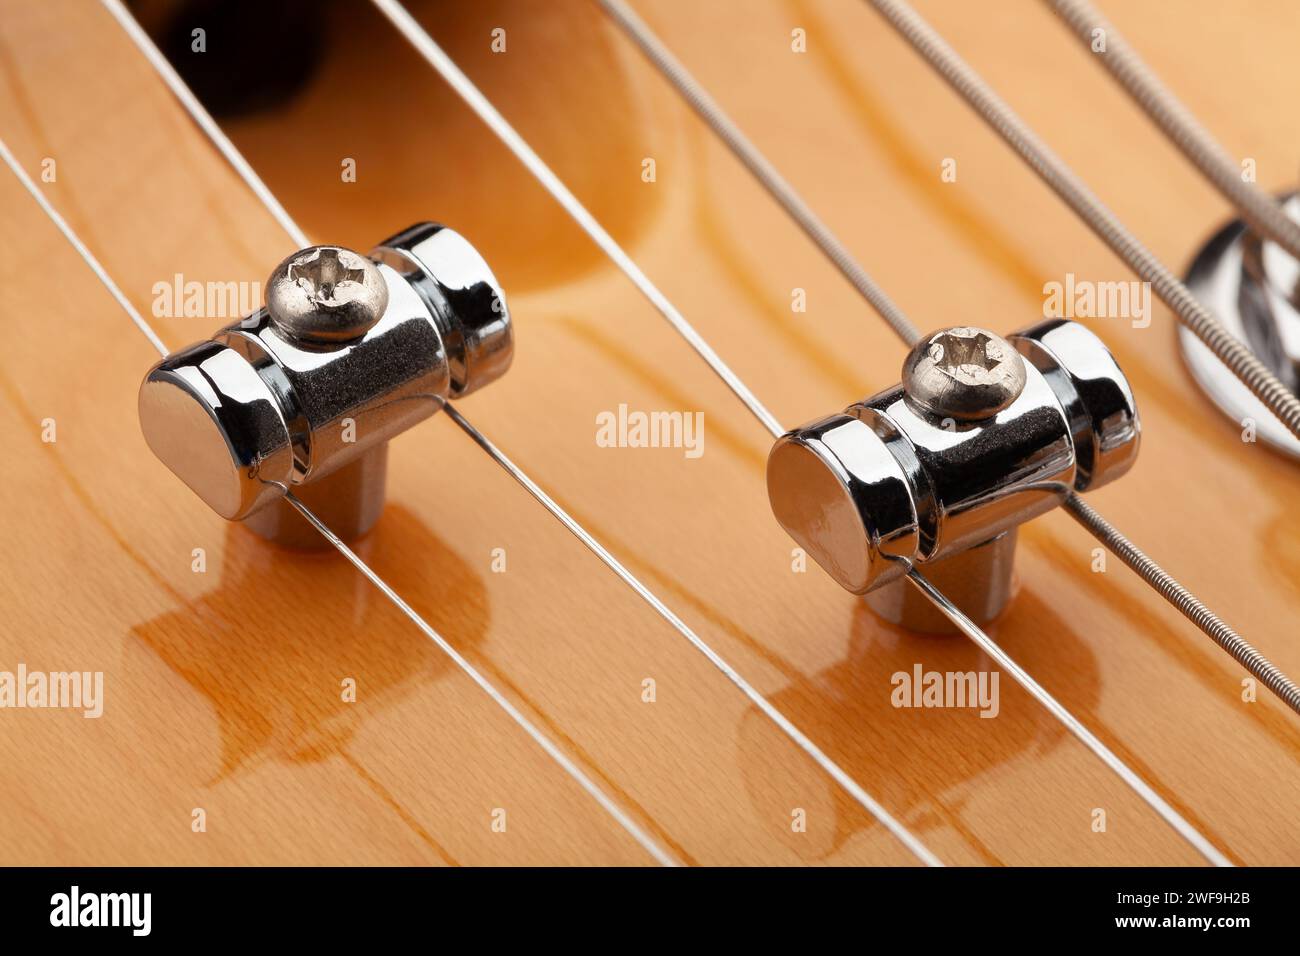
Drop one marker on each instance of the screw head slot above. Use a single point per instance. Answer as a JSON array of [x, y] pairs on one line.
[[964, 373], [326, 294]]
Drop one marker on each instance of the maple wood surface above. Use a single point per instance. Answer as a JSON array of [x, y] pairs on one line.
[[222, 688]]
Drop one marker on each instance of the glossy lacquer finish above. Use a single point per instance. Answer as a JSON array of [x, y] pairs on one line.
[[224, 687]]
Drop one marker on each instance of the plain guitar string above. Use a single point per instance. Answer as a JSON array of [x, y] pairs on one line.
[[651, 846], [1164, 584], [439, 60], [228, 149]]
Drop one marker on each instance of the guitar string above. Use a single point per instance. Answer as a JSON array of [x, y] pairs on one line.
[[778, 718], [855, 790], [201, 116], [444, 65], [648, 843], [78, 245], [204, 119], [1259, 210], [1085, 204], [780, 189], [1089, 739], [753, 160], [467, 91]]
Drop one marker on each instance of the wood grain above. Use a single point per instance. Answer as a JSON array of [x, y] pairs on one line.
[[223, 688]]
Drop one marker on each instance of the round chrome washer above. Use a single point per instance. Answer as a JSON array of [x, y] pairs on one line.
[[1217, 278]]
